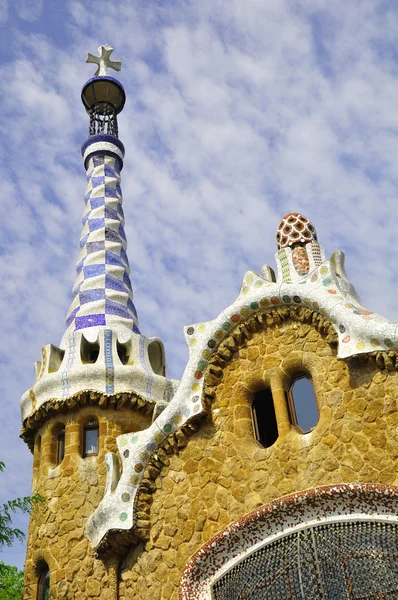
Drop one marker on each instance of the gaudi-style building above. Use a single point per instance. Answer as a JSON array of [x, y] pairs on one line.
[[267, 472]]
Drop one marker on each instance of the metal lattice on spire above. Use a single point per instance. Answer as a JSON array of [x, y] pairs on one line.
[[103, 61]]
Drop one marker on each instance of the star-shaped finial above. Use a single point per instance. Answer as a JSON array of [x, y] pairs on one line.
[[103, 61]]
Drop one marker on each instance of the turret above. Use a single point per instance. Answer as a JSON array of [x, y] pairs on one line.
[[105, 378]]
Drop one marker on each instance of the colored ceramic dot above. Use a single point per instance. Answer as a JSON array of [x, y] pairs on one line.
[[316, 305], [167, 428], [259, 283], [307, 301], [134, 439], [356, 312], [374, 342], [346, 339], [187, 412], [123, 441], [192, 342], [264, 302], [138, 467], [195, 387], [361, 345], [297, 299], [254, 305], [226, 326], [324, 270], [341, 328], [219, 334], [150, 447], [202, 364], [177, 419], [198, 374], [249, 277], [126, 453], [123, 516], [244, 311], [134, 479], [388, 342], [327, 281], [190, 330], [314, 278], [211, 343], [202, 328], [158, 437], [126, 497], [286, 298], [196, 409], [235, 318], [275, 300], [332, 292], [206, 354], [144, 456], [334, 320], [195, 398], [245, 290]]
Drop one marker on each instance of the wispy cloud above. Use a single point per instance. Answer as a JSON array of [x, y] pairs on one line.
[[236, 114]]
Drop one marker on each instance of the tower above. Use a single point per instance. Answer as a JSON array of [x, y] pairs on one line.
[[106, 378]]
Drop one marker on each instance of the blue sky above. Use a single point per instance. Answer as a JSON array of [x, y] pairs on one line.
[[237, 113]]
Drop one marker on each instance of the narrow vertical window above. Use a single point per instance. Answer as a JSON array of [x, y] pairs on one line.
[[90, 439], [61, 445], [264, 418], [302, 404], [43, 588]]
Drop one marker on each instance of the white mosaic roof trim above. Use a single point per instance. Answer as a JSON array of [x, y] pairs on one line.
[[325, 289], [60, 376]]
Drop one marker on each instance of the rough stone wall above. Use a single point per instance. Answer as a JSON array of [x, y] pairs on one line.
[[72, 490], [224, 473]]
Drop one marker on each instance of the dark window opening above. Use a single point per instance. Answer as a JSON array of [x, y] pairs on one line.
[[43, 588], [89, 351], [303, 406], [264, 418], [61, 446], [90, 439]]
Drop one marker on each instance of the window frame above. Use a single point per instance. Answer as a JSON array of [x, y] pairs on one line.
[[259, 432], [291, 403], [41, 589], [91, 425], [61, 438]]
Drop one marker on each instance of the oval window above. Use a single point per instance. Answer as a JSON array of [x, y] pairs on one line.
[[303, 405], [43, 588], [264, 418]]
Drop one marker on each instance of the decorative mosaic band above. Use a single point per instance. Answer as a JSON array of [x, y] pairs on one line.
[[102, 294], [98, 145], [309, 508]]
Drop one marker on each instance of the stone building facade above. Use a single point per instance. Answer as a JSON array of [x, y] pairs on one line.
[[231, 483]]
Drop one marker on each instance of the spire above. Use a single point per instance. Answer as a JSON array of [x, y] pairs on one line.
[[102, 353], [102, 293]]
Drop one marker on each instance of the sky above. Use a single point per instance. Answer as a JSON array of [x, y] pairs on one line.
[[237, 113]]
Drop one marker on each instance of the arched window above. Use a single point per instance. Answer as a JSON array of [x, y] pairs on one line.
[[264, 418], [90, 439], [303, 406], [61, 445], [43, 588]]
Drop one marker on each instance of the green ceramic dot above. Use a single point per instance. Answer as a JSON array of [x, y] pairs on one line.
[[123, 516], [134, 439], [126, 497], [202, 364], [254, 305], [167, 428], [226, 326], [286, 298]]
